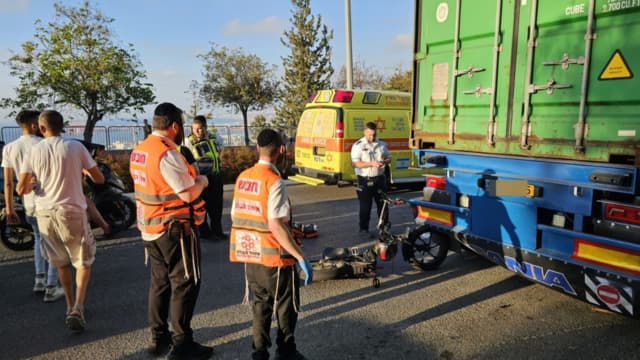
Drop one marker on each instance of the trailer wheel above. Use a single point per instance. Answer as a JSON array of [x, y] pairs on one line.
[[425, 249]]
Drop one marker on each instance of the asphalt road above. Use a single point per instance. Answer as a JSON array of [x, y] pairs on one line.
[[467, 309]]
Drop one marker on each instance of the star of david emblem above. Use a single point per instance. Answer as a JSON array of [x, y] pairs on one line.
[[380, 124]]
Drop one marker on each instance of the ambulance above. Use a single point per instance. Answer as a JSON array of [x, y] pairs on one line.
[[335, 119]]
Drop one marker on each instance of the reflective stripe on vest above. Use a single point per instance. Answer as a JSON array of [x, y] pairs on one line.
[[157, 204], [206, 148], [250, 240]]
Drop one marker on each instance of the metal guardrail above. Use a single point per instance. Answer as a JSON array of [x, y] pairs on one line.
[[127, 137]]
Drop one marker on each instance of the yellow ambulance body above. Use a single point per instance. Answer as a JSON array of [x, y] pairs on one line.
[[335, 119]]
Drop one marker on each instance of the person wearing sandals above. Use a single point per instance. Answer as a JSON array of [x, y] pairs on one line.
[[13, 155], [167, 193], [61, 209]]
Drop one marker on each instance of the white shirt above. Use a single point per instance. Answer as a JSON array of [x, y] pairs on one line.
[[57, 165], [363, 151], [14, 155], [278, 203]]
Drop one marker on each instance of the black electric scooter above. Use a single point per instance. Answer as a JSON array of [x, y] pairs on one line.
[[419, 248]]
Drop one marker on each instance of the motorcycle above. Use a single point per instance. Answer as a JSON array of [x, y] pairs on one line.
[[117, 209], [422, 249]]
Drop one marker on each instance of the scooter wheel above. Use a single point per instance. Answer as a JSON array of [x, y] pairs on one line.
[[376, 282]]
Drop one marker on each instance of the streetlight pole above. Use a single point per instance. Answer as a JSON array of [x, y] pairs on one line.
[[347, 33]]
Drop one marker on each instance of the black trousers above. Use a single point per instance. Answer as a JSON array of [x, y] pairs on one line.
[[262, 282], [168, 288], [369, 190], [213, 196]]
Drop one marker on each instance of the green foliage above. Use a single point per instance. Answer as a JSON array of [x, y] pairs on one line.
[[260, 122], [118, 160], [233, 78], [196, 107], [369, 77], [364, 77], [308, 68], [235, 159], [73, 61], [401, 80]]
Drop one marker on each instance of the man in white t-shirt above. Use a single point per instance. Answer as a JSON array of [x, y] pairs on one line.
[[13, 156], [54, 172]]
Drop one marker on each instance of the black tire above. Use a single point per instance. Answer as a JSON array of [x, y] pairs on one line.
[[425, 249], [16, 238], [120, 213], [130, 217]]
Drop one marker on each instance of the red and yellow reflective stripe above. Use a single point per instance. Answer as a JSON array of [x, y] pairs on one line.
[[607, 256]]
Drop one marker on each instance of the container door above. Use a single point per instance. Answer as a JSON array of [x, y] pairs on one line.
[[462, 64], [579, 99]]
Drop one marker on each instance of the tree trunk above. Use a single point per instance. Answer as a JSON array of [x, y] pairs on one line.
[[90, 126], [246, 126], [92, 119]]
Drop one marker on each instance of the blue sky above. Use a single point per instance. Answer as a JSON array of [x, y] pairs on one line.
[[168, 35]]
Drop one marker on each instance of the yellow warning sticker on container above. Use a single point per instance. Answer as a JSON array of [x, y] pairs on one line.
[[616, 68]]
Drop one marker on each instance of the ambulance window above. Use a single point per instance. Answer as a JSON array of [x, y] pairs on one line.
[[324, 123], [306, 123]]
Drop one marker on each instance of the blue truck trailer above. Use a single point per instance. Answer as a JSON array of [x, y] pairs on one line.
[[532, 110]]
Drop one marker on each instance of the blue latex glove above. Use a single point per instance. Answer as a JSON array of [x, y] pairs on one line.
[[307, 269]]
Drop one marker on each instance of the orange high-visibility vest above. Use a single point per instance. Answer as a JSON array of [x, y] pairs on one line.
[[251, 241], [157, 204]]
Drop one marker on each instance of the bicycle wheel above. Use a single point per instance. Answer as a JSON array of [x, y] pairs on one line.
[[425, 249]]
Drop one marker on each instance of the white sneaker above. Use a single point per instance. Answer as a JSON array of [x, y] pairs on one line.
[[53, 293], [38, 285]]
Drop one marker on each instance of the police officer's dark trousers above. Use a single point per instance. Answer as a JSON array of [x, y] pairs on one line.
[[213, 196], [215, 210], [262, 282], [369, 190], [167, 272]]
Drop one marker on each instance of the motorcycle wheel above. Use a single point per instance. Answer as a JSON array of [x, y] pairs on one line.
[[425, 249], [16, 238], [120, 214]]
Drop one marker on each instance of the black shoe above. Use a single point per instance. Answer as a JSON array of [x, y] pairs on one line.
[[160, 346], [191, 350], [293, 356]]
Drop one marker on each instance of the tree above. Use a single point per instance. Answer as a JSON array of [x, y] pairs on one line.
[[74, 61], [233, 78], [401, 80], [364, 77], [308, 68], [260, 123], [196, 107]]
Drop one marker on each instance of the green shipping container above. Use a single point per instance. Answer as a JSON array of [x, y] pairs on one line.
[[538, 78]]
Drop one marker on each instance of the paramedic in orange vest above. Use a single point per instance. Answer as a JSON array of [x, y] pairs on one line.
[[167, 192], [260, 238]]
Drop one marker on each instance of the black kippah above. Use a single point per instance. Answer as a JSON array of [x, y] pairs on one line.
[[269, 137]]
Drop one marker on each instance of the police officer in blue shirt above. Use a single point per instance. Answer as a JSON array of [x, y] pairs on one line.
[[369, 157]]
